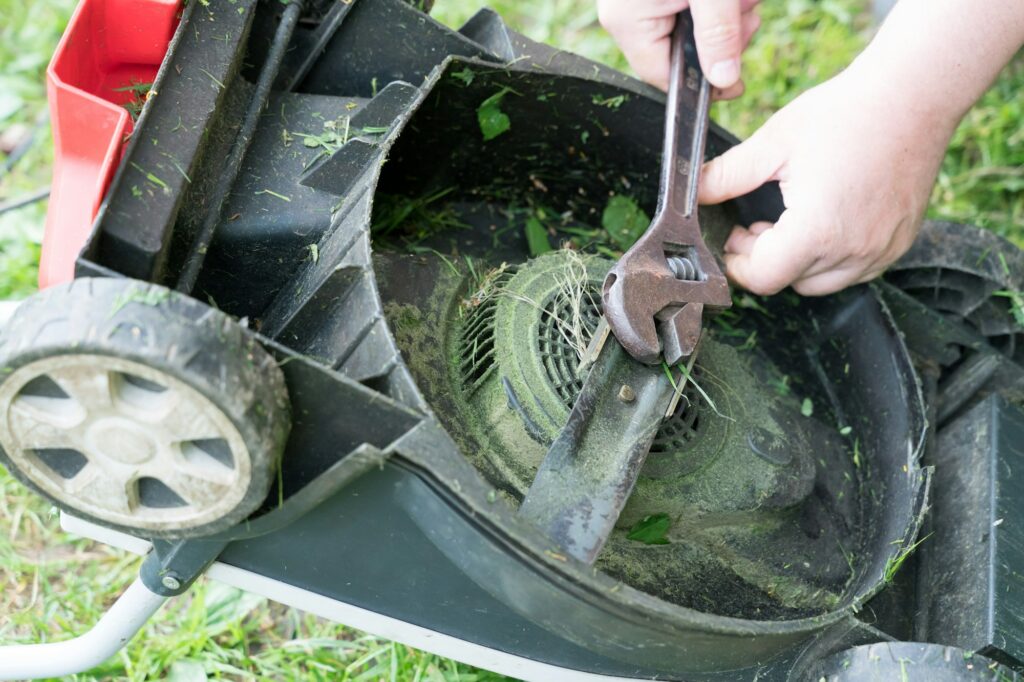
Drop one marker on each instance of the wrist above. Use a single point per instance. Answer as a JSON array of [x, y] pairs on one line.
[[932, 59], [901, 96]]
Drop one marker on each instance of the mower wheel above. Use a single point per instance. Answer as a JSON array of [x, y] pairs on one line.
[[971, 275], [139, 408]]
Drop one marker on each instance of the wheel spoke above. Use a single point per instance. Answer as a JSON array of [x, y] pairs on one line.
[[89, 386], [37, 435], [977, 296], [199, 492], [95, 485], [186, 420], [34, 428]]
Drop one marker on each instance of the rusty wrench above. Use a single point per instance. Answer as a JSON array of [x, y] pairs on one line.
[[655, 296]]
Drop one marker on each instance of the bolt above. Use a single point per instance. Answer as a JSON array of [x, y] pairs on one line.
[[170, 582], [627, 394]]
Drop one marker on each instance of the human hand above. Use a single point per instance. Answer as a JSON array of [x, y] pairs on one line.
[[722, 29], [856, 164]]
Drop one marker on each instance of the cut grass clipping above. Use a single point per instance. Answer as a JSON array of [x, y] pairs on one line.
[[139, 94], [892, 566]]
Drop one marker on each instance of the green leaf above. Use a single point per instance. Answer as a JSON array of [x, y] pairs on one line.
[[807, 407], [537, 237], [651, 530], [624, 221], [493, 121]]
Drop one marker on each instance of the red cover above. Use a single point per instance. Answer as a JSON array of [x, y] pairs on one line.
[[108, 47]]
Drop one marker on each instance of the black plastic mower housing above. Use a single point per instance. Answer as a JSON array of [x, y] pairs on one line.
[[378, 504]]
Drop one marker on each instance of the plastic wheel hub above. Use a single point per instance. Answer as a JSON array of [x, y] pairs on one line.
[[124, 442]]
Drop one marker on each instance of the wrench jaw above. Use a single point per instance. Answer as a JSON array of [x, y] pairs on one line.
[[680, 331], [629, 306], [654, 313]]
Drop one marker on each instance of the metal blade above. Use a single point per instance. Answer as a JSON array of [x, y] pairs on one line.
[[591, 468]]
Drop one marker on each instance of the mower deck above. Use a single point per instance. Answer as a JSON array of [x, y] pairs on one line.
[[330, 224]]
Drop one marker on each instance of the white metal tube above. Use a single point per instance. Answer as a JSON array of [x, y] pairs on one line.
[[58, 659], [6, 310]]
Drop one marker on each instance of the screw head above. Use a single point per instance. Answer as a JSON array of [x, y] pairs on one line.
[[627, 394], [170, 582]]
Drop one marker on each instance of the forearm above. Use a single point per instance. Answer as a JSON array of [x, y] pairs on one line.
[[934, 58]]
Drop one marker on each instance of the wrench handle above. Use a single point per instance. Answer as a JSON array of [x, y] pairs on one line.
[[687, 85]]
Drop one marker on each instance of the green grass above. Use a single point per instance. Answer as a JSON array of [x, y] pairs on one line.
[[52, 585], [28, 34]]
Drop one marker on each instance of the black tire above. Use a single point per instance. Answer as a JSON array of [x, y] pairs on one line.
[[129, 323], [966, 273]]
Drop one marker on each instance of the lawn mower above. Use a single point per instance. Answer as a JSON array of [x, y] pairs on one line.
[[306, 325]]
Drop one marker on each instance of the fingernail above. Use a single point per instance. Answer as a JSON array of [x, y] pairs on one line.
[[725, 73]]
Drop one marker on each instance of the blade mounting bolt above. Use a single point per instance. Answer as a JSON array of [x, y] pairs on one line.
[[627, 394]]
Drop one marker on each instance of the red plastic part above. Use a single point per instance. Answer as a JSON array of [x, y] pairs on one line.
[[108, 45]]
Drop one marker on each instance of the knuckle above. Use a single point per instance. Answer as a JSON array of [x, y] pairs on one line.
[[827, 242], [720, 35]]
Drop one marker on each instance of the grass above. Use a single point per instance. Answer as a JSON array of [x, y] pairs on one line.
[[51, 584]]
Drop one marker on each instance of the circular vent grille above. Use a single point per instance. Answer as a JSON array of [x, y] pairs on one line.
[[476, 341], [565, 330], [563, 336], [682, 429]]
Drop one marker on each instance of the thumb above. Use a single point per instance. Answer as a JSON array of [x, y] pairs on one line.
[[740, 170], [718, 30]]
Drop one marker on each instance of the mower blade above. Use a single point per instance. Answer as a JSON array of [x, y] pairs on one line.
[[591, 467]]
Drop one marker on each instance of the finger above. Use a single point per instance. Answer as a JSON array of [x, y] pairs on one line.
[[741, 240], [778, 257], [760, 226], [731, 92], [751, 21], [650, 60], [747, 5], [829, 281], [718, 30], [648, 52], [872, 274], [740, 170], [642, 30]]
